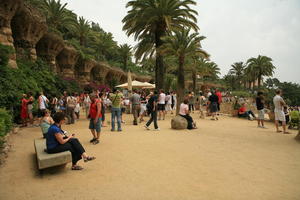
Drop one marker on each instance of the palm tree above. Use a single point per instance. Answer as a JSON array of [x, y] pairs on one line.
[[82, 30], [182, 44], [237, 70], [213, 70], [125, 53], [263, 66], [150, 20], [57, 16]]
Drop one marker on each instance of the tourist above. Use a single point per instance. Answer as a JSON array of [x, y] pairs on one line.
[[42, 105], [77, 106], [95, 118], [135, 100], [213, 105], [57, 141], [219, 94], [62, 105], [152, 110], [24, 112], [143, 106], [46, 122], [116, 100], [161, 105], [30, 108], [191, 101], [260, 110], [278, 111], [168, 102], [103, 98], [71, 104], [86, 103], [54, 103], [174, 100], [184, 112], [243, 112]]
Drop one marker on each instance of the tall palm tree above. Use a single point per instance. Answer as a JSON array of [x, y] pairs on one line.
[[125, 53], [237, 70], [57, 16], [263, 66], [213, 70], [82, 30], [150, 20], [182, 44]]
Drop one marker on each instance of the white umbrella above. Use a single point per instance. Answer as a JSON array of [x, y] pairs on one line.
[[137, 84]]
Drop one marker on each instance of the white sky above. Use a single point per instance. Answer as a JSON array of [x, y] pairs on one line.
[[235, 29]]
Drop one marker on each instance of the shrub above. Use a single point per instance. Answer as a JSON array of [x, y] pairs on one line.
[[241, 94], [5, 124]]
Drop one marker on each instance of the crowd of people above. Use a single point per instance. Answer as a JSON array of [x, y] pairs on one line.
[[51, 113]]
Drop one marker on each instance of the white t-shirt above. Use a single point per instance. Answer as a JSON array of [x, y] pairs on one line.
[[43, 102], [276, 100], [169, 99], [183, 109], [162, 98]]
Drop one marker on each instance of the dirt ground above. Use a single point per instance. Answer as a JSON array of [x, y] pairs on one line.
[[226, 159]]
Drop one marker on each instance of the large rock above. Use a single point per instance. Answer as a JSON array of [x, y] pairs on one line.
[[179, 123]]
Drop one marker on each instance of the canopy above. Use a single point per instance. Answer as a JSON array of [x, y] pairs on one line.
[[137, 84]]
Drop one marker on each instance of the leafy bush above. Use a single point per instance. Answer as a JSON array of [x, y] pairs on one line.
[[5, 124], [29, 77], [241, 94]]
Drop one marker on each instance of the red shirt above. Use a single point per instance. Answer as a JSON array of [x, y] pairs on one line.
[[242, 110], [93, 109], [220, 96]]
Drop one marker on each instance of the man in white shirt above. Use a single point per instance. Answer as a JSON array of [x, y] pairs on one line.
[[43, 104], [278, 111], [161, 104]]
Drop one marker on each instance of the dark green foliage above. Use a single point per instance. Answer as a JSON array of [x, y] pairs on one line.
[[29, 77], [5, 124]]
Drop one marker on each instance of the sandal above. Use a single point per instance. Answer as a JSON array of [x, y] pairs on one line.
[[96, 141], [77, 167], [89, 158]]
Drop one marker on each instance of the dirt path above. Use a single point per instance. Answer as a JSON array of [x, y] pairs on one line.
[[226, 159]]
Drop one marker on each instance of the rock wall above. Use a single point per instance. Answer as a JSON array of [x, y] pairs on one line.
[[28, 27], [8, 8], [24, 28]]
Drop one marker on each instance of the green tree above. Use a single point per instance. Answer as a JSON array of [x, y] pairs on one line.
[[182, 44], [150, 20], [237, 70], [125, 54], [263, 66], [82, 30], [57, 16]]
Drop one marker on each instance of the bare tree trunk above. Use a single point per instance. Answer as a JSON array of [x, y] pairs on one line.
[[159, 64], [194, 81]]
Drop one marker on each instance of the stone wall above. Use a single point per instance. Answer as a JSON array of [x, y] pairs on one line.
[[24, 28]]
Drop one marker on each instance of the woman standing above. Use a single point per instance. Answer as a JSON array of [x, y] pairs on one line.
[[213, 105], [24, 112], [57, 141], [30, 107]]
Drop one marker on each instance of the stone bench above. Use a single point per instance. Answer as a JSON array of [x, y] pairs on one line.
[[45, 160]]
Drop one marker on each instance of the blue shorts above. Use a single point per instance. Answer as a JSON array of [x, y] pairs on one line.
[[96, 126]]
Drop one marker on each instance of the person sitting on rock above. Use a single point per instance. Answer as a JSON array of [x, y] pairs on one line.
[[57, 141], [46, 122], [244, 113], [184, 112]]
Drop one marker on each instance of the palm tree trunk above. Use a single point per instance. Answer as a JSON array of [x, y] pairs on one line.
[[194, 75], [259, 80], [180, 84], [159, 64]]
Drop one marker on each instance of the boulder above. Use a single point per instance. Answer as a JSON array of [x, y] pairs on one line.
[[179, 123]]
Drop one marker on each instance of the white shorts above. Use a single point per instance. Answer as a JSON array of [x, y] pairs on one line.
[[261, 114], [279, 115]]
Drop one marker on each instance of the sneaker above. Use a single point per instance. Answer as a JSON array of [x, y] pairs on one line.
[[92, 140], [119, 130], [96, 141], [263, 127], [156, 129], [147, 127], [259, 126], [112, 130]]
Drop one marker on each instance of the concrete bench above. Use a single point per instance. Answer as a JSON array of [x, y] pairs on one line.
[[45, 160]]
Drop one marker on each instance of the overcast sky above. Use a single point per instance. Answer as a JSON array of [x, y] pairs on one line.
[[235, 29]]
